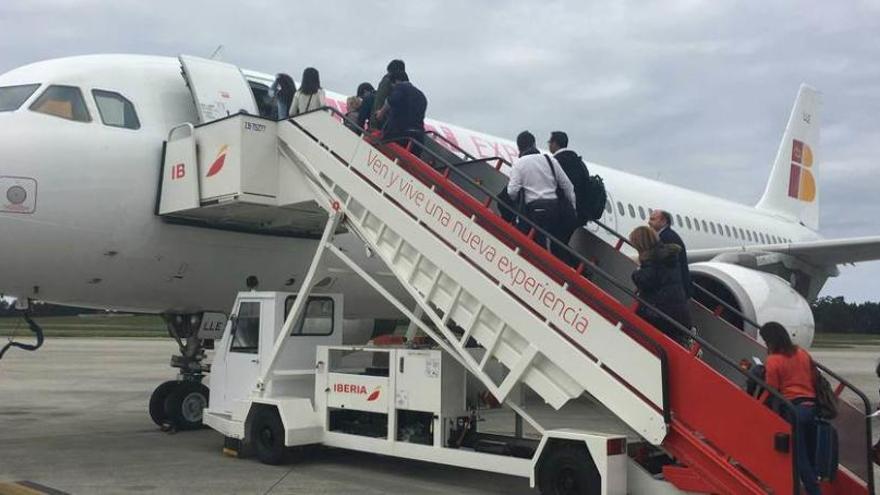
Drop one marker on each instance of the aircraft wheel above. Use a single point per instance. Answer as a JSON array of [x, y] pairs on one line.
[[267, 436], [568, 470], [185, 404], [157, 401]]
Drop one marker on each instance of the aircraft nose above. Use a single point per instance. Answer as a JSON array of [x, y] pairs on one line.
[[18, 184]]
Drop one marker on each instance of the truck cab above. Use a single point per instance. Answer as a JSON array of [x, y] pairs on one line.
[[244, 352]]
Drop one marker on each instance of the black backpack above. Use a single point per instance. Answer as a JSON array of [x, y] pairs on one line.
[[596, 198]]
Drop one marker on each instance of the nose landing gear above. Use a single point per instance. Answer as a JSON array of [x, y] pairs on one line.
[[178, 404]]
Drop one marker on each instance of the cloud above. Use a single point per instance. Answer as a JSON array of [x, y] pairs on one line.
[[696, 92]]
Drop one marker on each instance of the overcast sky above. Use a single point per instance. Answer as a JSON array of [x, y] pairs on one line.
[[693, 93]]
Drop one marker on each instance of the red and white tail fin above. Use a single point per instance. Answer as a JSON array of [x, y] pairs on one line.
[[793, 190]]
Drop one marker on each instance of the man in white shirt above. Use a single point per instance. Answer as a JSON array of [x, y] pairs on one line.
[[537, 176]]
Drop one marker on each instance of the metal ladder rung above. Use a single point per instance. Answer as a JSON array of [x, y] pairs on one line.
[[455, 297], [490, 349], [518, 369], [380, 234], [415, 269], [470, 328], [435, 282], [397, 249]]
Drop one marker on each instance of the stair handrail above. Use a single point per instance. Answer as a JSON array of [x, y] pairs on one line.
[[583, 263], [461, 150], [755, 324]]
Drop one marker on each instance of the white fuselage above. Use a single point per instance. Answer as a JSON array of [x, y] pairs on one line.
[[94, 240]]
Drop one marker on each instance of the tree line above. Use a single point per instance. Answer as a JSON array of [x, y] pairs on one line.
[[835, 315], [832, 314]]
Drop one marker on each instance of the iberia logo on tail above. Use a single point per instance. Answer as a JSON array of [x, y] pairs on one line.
[[218, 162], [801, 182]]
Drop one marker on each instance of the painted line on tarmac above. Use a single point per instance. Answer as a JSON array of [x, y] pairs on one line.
[[27, 488]]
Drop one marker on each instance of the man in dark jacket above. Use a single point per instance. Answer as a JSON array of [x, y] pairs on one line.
[[575, 168], [394, 67], [405, 111], [661, 222]]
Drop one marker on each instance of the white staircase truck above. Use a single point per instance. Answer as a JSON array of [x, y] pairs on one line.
[[496, 307]]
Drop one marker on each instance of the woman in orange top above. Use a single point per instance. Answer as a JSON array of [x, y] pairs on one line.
[[790, 371]]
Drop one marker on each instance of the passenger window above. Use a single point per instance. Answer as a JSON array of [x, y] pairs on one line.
[[713, 227], [697, 224], [318, 317], [641, 213], [607, 206], [705, 227], [632, 211], [678, 219], [727, 230], [11, 97], [742, 235], [620, 208], [116, 110], [688, 220], [63, 101], [761, 235], [735, 235], [246, 329]]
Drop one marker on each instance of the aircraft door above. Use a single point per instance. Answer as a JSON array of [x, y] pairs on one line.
[[218, 89], [243, 354]]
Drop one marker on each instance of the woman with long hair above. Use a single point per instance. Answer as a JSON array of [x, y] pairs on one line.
[[283, 90], [310, 95], [790, 370], [658, 280]]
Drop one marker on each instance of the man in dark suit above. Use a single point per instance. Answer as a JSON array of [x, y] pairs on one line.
[[661, 222], [576, 170]]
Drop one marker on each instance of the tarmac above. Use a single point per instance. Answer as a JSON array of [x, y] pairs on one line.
[[73, 418]]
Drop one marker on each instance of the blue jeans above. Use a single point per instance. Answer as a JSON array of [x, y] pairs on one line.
[[805, 426]]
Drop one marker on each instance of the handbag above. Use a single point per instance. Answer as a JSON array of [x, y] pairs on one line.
[[567, 213], [826, 401]]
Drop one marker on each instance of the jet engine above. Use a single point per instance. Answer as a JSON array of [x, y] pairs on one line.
[[759, 296]]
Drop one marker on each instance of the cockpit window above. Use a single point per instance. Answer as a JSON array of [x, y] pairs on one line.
[[11, 97], [116, 110], [63, 101]]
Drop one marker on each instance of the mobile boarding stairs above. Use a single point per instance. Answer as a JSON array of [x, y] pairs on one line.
[[489, 298]]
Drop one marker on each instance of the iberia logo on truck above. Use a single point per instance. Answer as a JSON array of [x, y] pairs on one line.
[[355, 389]]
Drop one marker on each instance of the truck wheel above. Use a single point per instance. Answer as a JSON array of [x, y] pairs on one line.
[[267, 436], [157, 402], [185, 404], [568, 470]]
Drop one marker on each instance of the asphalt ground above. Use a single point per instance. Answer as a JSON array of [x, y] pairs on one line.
[[73, 417]]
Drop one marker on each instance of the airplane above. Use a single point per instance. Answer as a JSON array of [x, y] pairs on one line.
[[81, 146]]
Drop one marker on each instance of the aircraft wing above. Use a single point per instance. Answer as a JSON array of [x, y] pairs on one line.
[[824, 252]]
